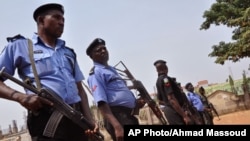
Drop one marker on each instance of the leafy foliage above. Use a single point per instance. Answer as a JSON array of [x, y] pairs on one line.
[[233, 14], [231, 82], [244, 78]]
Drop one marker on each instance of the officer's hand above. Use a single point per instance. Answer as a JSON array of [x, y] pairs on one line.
[[92, 134], [187, 120], [140, 102], [119, 133], [208, 109], [34, 102], [136, 84]]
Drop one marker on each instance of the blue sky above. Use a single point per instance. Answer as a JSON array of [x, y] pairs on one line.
[[136, 32]]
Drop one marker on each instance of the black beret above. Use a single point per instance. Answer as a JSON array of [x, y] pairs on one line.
[[46, 7], [93, 44], [187, 85], [160, 61]]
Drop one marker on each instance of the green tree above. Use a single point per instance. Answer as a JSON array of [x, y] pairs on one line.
[[245, 83], [236, 99], [231, 82], [233, 14], [245, 79]]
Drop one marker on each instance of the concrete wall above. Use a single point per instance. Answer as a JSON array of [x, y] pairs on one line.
[[227, 102]]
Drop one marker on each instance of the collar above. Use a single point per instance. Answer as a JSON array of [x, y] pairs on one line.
[[37, 40]]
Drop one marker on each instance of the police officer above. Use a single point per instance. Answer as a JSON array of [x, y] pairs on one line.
[[111, 94], [207, 109], [195, 99], [57, 70], [170, 94]]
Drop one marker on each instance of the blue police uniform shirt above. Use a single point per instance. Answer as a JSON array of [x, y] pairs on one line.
[[107, 85], [57, 67], [196, 101]]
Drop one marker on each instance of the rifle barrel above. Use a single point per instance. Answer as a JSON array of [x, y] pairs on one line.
[[143, 93]]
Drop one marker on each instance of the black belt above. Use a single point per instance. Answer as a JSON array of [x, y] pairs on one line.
[[121, 109], [77, 106]]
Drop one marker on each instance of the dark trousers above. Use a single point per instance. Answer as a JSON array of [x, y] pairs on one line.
[[202, 117], [172, 116], [66, 130], [123, 115], [208, 118]]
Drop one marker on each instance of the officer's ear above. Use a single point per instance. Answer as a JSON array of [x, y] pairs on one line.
[[40, 19], [91, 54]]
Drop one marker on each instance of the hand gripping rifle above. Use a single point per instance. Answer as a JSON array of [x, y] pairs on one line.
[[143, 94], [59, 105]]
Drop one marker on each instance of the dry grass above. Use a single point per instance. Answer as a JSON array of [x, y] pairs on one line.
[[106, 135]]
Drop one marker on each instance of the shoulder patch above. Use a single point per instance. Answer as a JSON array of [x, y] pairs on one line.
[[12, 39], [93, 88], [166, 82], [92, 70]]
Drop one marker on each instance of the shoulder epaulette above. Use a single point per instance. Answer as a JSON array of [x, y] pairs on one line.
[[71, 50], [92, 70], [12, 39]]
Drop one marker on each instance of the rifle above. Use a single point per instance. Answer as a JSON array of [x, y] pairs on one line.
[[143, 94], [187, 106], [214, 110], [192, 112], [59, 105]]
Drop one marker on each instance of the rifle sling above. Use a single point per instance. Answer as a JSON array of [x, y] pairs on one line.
[[56, 116], [38, 85]]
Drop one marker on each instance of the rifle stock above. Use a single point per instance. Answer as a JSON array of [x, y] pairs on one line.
[[59, 105], [143, 93]]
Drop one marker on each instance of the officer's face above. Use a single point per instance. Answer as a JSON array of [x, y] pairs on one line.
[[100, 54], [202, 91], [191, 88], [161, 68], [52, 23]]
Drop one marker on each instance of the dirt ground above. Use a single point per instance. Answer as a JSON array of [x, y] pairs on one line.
[[236, 118]]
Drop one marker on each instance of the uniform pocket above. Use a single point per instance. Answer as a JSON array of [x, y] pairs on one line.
[[69, 63], [44, 63]]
